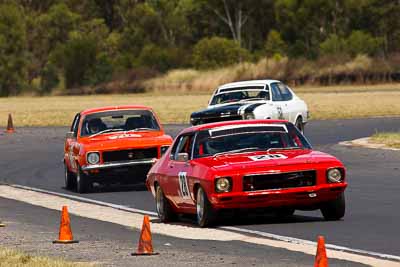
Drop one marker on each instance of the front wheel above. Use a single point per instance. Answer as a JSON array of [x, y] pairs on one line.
[[204, 211], [82, 183], [335, 209], [164, 210], [68, 178]]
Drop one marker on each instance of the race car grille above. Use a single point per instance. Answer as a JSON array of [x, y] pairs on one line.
[[130, 154], [278, 180]]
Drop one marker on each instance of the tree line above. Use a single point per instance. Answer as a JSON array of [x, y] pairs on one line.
[[48, 45]]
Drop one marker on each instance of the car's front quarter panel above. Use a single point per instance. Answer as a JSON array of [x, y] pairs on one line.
[[156, 173], [201, 175], [299, 109], [81, 155]]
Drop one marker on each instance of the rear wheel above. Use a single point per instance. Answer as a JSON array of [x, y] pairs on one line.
[[68, 178], [299, 124], [204, 211], [164, 209], [334, 210], [82, 182]]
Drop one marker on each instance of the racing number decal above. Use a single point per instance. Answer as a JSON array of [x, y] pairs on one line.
[[268, 157], [183, 185]]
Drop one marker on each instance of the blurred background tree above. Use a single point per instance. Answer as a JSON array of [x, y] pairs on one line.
[[13, 52], [52, 45]]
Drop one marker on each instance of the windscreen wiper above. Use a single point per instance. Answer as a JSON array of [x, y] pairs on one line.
[[106, 131], [284, 148], [142, 129], [251, 99], [247, 149]]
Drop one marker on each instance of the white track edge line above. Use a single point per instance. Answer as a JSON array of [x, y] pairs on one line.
[[230, 228], [87, 200], [307, 242]]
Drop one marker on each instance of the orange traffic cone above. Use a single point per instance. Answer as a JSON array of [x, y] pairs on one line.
[[320, 259], [65, 235], [145, 246], [10, 126]]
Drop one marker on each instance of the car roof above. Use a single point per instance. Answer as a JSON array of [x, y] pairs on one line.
[[110, 108], [227, 123], [247, 83]]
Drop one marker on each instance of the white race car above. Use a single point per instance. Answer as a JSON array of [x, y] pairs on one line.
[[258, 99]]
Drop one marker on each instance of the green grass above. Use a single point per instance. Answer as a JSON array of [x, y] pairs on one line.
[[390, 139], [177, 107], [13, 258]]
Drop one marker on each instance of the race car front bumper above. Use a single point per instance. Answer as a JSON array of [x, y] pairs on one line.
[[118, 164], [299, 198]]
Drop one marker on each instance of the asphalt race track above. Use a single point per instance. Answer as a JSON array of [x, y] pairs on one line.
[[33, 157]]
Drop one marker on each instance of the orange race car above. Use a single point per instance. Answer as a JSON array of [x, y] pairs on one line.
[[112, 144]]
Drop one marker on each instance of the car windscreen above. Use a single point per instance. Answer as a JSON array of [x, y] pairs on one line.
[[248, 137], [119, 120], [240, 95]]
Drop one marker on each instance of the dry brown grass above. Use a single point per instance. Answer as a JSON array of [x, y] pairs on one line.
[[352, 105], [59, 110], [176, 108], [367, 88], [13, 258], [201, 82], [389, 139], [197, 81], [190, 80]]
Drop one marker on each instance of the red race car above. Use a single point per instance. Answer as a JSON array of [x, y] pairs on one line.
[[244, 165], [112, 145]]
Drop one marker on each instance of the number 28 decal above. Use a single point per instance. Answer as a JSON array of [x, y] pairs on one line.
[[183, 185]]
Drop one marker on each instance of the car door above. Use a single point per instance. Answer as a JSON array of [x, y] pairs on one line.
[[179, 172], [290, 108], [71, 143], [278, 102]]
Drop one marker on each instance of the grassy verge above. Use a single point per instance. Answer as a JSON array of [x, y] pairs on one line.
[[361, 69], [388, 139], [13, 258], [173, 107]]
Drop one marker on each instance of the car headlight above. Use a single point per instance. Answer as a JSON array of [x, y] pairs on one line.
[[93, 157], [249, 116], [223, 184], [335, 175], [163, 149]]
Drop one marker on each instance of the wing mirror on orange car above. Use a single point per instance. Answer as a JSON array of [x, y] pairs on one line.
[[69, 135], [184, 157]]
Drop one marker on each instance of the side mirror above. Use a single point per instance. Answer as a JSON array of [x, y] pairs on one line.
[[69, 135], [184, 157]]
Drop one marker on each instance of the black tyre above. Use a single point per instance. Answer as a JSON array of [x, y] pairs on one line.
[[334, 210], [82, 182], [299, 124], [69, 178], [204, 212], [284, 212], [164, 210]]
